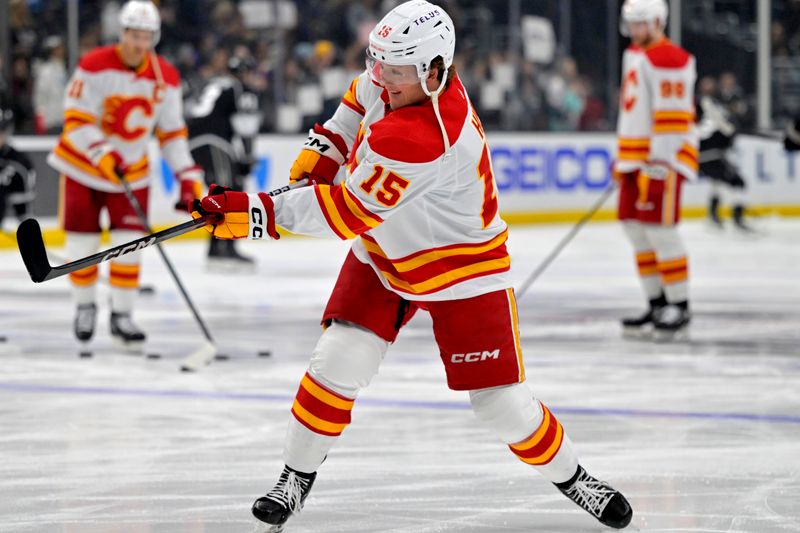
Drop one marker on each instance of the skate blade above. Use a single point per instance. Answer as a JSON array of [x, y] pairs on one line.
[[644, 333], [129, 347], [665, 336], [263, 527]]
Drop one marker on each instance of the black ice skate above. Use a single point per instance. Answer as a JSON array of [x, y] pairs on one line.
[[224, 257], [598, 498], [739, 221], [713, 213], [285, 499], [641, 327], [85, 319], [671, 323], [125, 333]]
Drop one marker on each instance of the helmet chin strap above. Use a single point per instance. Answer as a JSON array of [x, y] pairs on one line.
[[435, 101]]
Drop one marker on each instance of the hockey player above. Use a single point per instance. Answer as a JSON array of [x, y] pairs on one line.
[[791, 140], [716, 137], [17, 175], [657, 153], [117, 99], [419, 200], [222, 125]]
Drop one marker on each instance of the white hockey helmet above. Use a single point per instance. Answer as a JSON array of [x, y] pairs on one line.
[[141, 15], [413, 33], [643, 11]]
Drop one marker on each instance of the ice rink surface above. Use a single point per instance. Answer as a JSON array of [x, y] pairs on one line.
[[702, 436]]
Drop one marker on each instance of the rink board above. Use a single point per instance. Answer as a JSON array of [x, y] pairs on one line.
[[540, 177]]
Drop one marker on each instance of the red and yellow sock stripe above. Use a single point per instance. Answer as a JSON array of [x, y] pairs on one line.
[[85, 277], [320, 409], [540, 448], [674, 270], [124, 276], [647, 263]]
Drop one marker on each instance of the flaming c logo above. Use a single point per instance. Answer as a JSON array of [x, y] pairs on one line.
[[117, 111], [631, 81]]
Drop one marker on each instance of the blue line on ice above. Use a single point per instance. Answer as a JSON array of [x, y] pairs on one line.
[[374, 402]]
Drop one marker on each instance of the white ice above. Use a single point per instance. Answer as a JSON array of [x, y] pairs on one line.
[[701, 437]]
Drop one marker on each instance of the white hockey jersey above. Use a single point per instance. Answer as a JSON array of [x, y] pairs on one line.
[[425, 220], [657, 116], [108, 101]]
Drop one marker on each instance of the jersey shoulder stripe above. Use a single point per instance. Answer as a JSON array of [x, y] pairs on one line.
[[107, 58], [412, 134], [666, 54]]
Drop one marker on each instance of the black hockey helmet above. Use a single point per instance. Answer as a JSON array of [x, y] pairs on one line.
[[239, 66]]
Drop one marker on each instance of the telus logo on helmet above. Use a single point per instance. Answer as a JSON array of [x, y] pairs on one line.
[[424, 18]]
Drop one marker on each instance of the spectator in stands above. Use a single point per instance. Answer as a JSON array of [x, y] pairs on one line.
[[49, 84]]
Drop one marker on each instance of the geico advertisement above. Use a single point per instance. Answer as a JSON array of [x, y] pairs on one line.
[[535, 173]]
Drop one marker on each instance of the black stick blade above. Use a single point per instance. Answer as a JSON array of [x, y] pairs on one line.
[[31, 247]]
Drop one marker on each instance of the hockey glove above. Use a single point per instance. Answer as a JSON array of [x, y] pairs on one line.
[[191, 187], [323, 153], [107, 160], [246, 216]]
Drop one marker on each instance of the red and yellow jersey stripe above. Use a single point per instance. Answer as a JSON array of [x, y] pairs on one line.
[[540, 448], [688, 156], [434, 269], [350, 99], [75, 118], [633, 149], [320, 409], [166, 136], [672, 121], [66, 151], [344, 213]]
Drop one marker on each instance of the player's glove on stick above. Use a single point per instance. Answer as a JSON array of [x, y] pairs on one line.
[[191, 180], [107, 160], [245, 216], [323, 153]]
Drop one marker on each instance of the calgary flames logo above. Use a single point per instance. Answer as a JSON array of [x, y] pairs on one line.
[[117, 111], [628, 94]]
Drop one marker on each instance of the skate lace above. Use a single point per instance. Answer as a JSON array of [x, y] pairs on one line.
[[289, 492], [591, 494]]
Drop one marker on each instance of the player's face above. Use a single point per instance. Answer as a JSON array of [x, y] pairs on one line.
[[640, 33], [401, 95], [135, 44]]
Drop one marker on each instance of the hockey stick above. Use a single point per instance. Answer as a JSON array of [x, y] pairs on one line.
[[34, 254], [203, 355], [566, 240]]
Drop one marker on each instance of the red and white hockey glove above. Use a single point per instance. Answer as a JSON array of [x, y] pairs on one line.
[[323, 153], [191, 180], [107, 160], [246, 216]]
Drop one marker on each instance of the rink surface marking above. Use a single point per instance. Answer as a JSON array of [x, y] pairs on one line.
[[401, 404]]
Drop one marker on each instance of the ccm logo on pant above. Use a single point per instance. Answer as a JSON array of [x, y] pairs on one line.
[[474, 357]]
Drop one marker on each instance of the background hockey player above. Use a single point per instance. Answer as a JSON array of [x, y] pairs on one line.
[[657, 153], [717, 133], [17, 175], [118, 97], [791, 140], [420, 202], [222, 124]]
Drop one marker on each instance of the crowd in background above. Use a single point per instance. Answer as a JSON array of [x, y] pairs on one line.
[[307, 52]]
